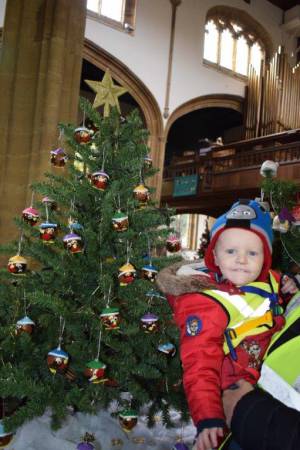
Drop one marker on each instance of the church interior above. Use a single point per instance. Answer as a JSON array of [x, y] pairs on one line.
[[216, 85]]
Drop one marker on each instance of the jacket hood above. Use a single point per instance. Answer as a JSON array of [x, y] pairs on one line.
[[182, 278]]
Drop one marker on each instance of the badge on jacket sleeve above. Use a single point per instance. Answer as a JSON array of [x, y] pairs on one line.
[[193, 326]]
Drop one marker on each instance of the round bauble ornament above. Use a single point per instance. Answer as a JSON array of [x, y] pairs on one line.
[[82, 135], [173, 243], [149, 272], [48, 232], [99, 180], [25, 325], [5, 437], [57, 360], [73, 243], [149, 323], [148, 162], [128, 419], [141, 194], [95, 371], [30, 215], [85, 446], [110, 317], [17, 265], [180, 446], [58, 157], [269, 169], [86, 443], [120, 221], [50, 203], [127, 274], [167, 348]]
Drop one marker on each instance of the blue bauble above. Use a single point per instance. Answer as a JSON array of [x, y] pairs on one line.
[[180, 446]]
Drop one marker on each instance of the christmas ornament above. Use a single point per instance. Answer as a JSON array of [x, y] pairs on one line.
[[269, 169], [99, 180], [48, 232], [148, 162], [74, 225], [141, 194], [5, 438], [127, 274], [73, 243], [180, 446], [168, 349], [25, 325], [82, 135], [57, 360], [107, 93], [48, 201], [283, 221], [58, 157], [120, 221], [149, 323], [30, 215], [110, 317], [86, 443], [173, 243], [128, 419], [95, 371], [17, 265], [149, 272]]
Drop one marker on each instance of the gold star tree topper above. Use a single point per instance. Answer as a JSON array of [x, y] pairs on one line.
[[107, 93]]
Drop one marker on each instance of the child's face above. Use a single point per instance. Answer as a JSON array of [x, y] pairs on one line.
[[240, 255]]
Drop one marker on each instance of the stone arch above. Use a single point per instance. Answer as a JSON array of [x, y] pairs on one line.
[[149, 106], [251, 25], [206, 101]]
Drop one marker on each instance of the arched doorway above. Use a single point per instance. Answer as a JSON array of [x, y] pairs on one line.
[[142, 96]]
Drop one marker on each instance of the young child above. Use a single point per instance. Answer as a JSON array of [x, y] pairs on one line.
[[227, 313]]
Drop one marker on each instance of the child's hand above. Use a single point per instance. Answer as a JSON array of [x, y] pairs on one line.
[[208, 438], [288, 285]]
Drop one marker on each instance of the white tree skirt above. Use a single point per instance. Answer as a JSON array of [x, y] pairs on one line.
[[37, 434]]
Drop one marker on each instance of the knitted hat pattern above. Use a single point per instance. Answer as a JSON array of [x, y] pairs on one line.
[[248, 215]]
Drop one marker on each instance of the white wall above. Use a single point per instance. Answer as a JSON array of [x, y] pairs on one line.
[[146, 52], [2, 12]]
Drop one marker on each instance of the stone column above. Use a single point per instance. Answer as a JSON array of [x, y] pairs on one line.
[[40, 68]]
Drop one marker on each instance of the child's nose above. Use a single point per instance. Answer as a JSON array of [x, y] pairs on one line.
[[242, 257]]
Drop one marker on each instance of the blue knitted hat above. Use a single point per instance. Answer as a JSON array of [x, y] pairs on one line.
[[248, 215]]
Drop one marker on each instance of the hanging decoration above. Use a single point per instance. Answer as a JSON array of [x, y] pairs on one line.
[[86, 443], [141, 194], [82, 135], [149, 323], [48, 230], [58, 359], [128, 419], [269, 169], [173, 243], [110, 317], [50, 203], [25, 325], [99, 180], [149, 271], [58, 157], [167, 348], [17, 265], [107, 93], [95, 369], [148, 162]]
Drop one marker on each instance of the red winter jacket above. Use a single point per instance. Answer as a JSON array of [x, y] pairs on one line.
[[206, 371]]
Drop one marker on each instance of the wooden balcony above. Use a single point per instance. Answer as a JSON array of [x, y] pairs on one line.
[[231, 172]]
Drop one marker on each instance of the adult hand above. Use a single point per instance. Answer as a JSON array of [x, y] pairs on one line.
[[208, 438], [288, 285], [232, 396]]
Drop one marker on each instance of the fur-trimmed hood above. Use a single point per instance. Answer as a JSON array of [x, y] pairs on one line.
[[182, 278]]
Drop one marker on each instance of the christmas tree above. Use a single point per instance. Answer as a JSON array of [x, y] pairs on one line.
[[81, 322], [282, 198]]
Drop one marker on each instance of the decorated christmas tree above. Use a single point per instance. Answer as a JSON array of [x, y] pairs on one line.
[[81, 322], [281, 196]]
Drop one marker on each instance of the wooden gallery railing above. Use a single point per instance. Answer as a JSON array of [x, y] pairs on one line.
[[273, 98], [236, 166]]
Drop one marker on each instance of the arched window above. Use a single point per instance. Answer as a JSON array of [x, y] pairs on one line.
[[117, 13], [232, 45]]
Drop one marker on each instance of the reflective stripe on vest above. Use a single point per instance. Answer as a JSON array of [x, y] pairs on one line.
[[245, 310]]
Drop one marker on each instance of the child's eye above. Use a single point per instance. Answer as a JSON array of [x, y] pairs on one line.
[[252, 253], [230, 251]]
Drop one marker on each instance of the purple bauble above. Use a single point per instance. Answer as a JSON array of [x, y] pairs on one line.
[[85, 446], [180, 446]]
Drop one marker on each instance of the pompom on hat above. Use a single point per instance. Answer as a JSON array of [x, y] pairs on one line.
[[247, 215]]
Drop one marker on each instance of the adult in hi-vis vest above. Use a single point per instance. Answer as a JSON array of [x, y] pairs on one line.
[[227, 312]]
